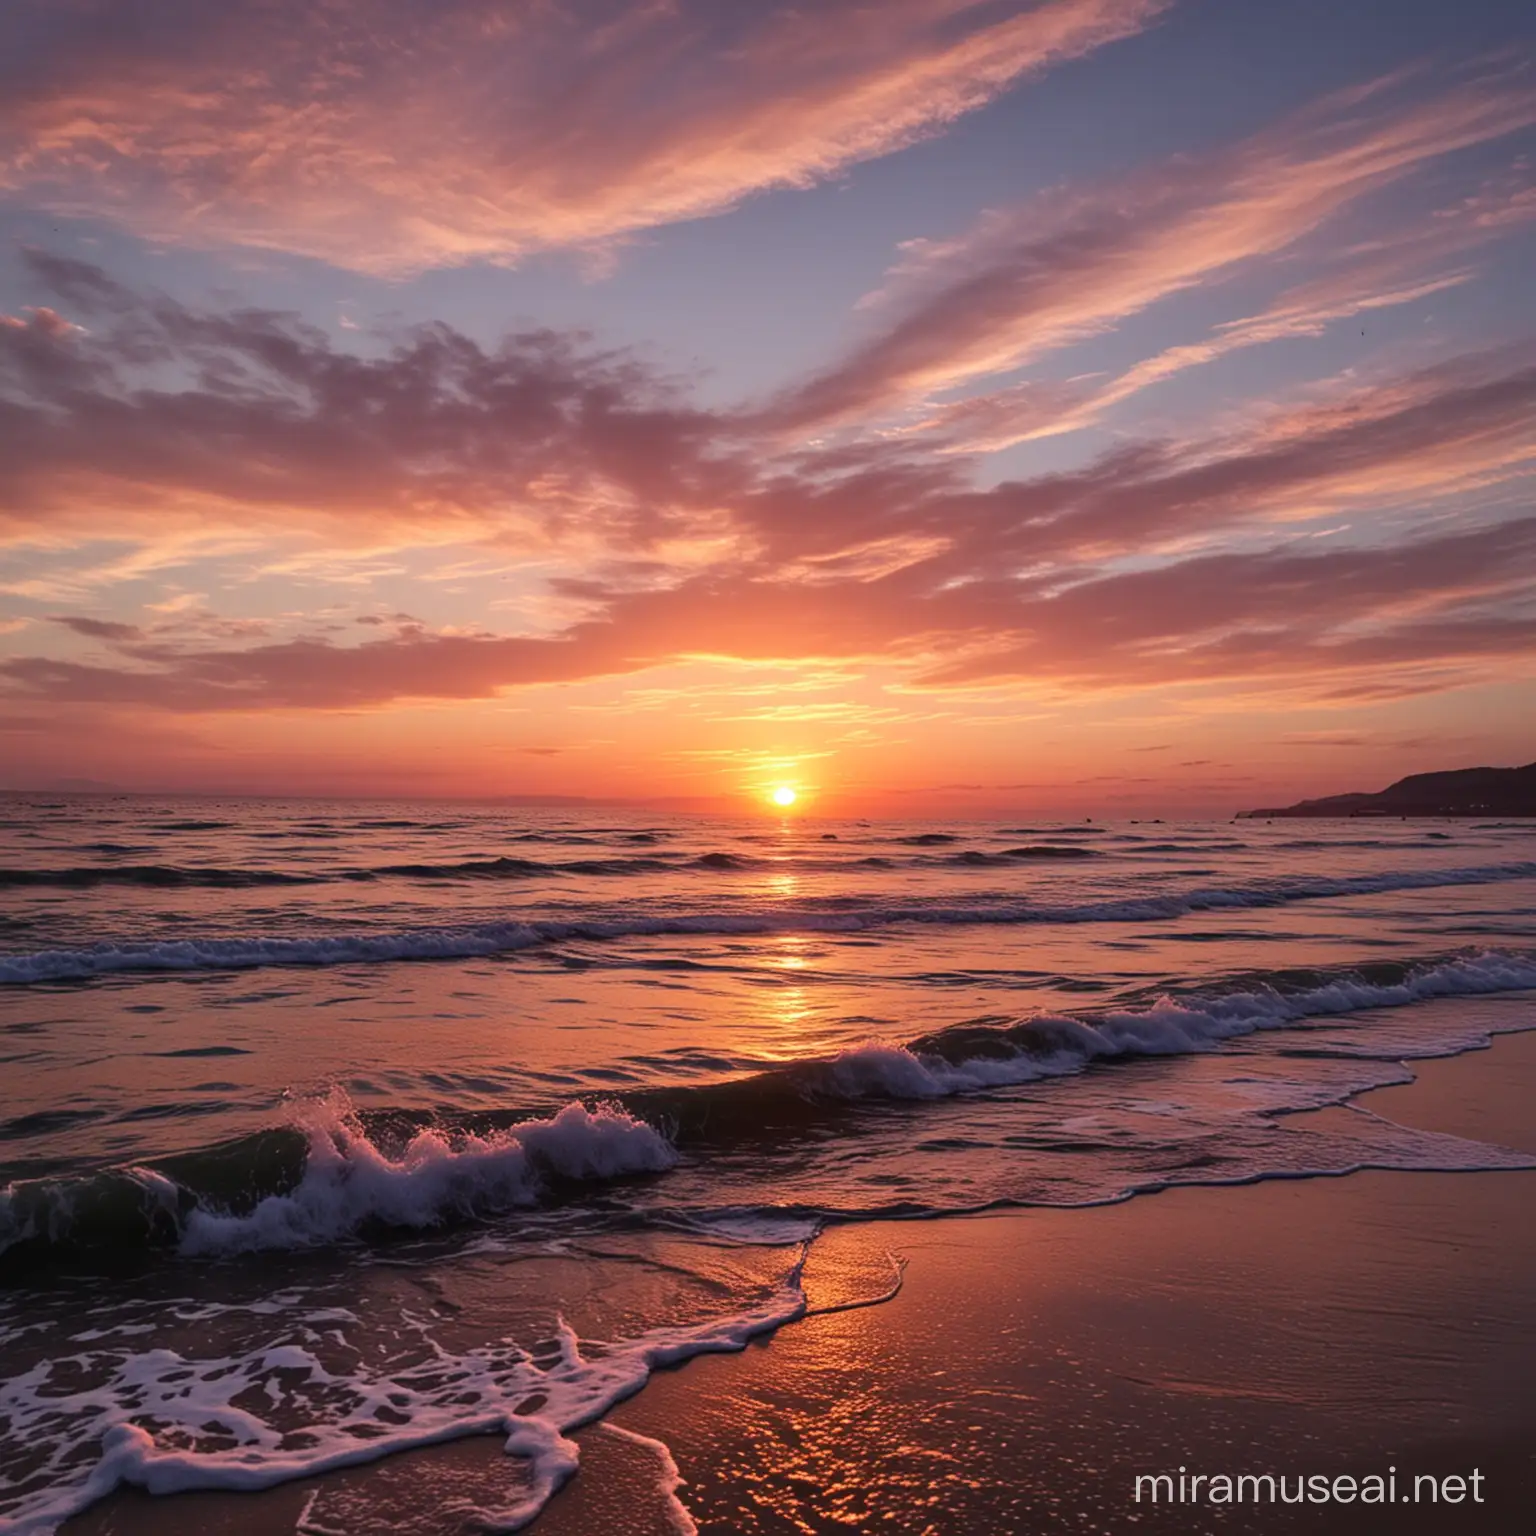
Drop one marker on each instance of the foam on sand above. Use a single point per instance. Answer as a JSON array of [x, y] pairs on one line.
[[317, 1416], [671, 1479]]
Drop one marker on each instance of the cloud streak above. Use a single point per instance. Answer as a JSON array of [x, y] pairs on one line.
[[1275, 618], [1027, 281], [406, 134], [1287, 614]]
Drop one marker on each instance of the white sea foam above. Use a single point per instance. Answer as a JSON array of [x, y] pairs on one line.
[[1170, 1027], [349, 1181], [681, 1521], [505, 938], [318, 1417]]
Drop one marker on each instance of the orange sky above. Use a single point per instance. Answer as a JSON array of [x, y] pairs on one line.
[[1085, 407]]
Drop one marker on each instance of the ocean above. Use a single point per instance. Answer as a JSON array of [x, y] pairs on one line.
[[329, 1130]]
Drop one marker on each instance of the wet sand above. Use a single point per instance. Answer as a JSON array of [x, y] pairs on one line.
[[1036, 1362]]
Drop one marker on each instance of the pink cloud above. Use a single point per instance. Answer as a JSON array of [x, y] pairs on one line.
[[405, 133], [1029, 280], [158, 414], [1276, 617], [869, 551]]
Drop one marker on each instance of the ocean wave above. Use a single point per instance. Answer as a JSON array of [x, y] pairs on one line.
[[332, 1175], [725, 861], [488, 868], [981, 1054], [974, 857], [324, 1179], [479, 941]]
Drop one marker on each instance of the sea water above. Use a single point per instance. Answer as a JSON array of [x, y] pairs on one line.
[[329, 1130]]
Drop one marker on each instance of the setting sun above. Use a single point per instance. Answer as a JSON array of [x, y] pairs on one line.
[[784, 796]]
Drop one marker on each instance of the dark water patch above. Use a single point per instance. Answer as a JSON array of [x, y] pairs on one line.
[[1302, 844], [725, 861], [201, 1050], [945, 978], [672, 963], [928, 839], [1086, 829], [117, 1217], [574, 839], [466, 869], [192, 826], [152, 876], [688, 1058], [1049, 851], [591, 837], [47, 1122], [509, 868], [1221, 936], [622, 866], [176, 1109], [976, 859], [1201, 847]]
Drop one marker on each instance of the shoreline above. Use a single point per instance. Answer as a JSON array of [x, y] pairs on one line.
[[1037, 1360]]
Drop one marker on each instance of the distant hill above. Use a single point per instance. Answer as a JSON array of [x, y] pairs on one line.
[[1461, 792]]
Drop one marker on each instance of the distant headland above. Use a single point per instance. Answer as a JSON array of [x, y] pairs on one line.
[[1460, 792]]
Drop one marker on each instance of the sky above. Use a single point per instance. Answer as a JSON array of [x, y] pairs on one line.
[[941, 407]]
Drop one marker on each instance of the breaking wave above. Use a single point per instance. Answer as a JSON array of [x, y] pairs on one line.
[[326, 1179], [333, 1175]]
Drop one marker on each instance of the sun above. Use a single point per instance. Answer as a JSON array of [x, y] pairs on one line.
[[784, 796]]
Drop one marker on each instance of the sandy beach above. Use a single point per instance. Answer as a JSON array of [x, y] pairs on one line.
[[1036, 1362]]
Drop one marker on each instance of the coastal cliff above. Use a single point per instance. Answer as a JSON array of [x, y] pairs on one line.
[[1460, 792]]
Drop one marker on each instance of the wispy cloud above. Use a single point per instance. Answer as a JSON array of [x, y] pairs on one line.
[[1276, 617], [408, 133], [1028, 280]]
